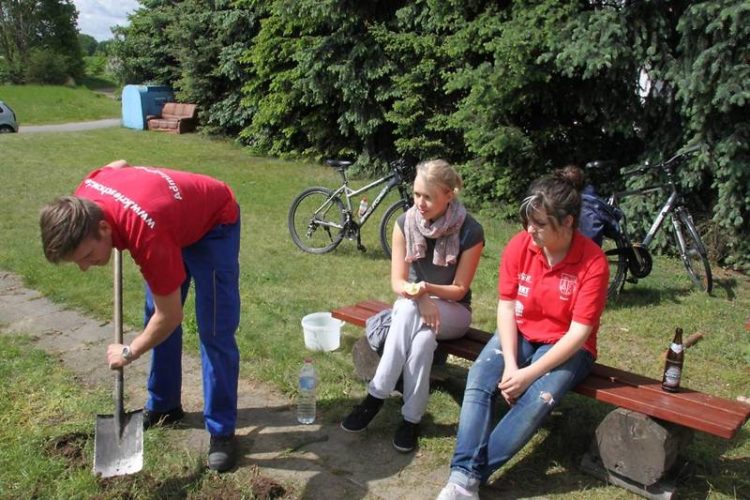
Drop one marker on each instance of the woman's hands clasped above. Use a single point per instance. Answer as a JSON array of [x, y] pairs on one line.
[[514, 383]]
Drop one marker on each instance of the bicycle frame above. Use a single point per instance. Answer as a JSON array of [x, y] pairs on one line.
[[391, 180], [667, 208]]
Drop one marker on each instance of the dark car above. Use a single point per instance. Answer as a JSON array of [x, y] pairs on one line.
[[8, 121]]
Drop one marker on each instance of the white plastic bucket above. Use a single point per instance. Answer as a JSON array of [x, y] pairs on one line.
[[322, 332]]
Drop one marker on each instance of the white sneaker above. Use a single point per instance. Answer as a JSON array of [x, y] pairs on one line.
[[453, 492]]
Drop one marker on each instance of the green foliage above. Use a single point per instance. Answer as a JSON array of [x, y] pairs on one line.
[[88, 44], [143, 50], [31, 31], [505, 90], [47, 67], [714, 93]]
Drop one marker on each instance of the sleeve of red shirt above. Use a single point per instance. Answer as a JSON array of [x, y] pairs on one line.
[[507, 283], [592, 294]]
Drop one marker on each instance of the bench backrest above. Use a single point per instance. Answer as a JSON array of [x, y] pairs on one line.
[[178, 110]]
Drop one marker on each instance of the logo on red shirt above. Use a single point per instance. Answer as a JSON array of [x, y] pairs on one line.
[[567, 285]]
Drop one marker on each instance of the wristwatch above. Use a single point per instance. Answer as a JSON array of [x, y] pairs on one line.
[[127, 354]]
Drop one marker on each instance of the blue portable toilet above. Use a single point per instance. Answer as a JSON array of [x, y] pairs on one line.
[[141, 100]]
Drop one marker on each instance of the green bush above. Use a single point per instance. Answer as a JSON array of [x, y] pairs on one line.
[[47, 67]]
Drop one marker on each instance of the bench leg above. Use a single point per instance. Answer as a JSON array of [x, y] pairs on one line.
[[634, 451], [365, 359]]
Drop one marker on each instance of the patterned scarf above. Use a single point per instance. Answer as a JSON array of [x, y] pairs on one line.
[[444, 230]]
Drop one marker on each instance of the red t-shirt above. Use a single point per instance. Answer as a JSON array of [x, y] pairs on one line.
[[548, 299], [156, 212]]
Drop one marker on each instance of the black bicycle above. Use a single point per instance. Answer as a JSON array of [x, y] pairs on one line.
[[319, 218], [626, 256]]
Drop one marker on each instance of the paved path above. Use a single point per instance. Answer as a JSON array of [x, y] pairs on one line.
[[317, 461], [70, 127]]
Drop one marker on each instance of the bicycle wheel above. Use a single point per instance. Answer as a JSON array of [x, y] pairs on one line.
[[617, 256], [387, 223], [316, 221], [692, 251]]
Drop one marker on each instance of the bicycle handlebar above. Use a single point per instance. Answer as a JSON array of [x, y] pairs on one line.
[[665, 165]]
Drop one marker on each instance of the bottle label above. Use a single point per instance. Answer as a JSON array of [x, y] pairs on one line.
[[307, 383], [678, 348], [672, 376]]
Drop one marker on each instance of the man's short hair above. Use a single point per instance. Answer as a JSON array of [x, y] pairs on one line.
[[65, 223]]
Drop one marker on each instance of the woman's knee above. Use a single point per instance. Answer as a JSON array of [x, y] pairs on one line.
[[485, 373], [406, 307]]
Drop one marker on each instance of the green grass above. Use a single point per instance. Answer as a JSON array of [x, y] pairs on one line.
[[47, 104], [47, 422], [280, 284]]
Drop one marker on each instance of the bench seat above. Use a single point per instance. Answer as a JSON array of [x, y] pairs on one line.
[[692, 409]]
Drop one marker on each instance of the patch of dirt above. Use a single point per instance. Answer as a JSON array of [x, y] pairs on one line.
[[266, 488], [69, 447]]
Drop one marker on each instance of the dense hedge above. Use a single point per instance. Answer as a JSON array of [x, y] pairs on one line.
[[506, 90]]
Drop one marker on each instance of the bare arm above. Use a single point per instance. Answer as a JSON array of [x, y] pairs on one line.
[[167, 316], [117, 164]]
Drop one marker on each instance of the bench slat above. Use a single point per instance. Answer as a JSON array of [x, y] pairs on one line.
[[703, 412], [681, 411], [712, 403]]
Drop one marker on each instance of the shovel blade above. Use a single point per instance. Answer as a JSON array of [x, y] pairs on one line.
[[118, 448]]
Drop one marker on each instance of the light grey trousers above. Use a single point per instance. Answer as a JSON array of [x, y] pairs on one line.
[[409, 348]]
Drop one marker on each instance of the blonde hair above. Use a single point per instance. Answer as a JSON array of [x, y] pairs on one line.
[[440, 172], [65, 223]]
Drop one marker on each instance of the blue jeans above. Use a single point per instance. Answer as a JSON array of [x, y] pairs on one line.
[[481, 449], [213, 264]]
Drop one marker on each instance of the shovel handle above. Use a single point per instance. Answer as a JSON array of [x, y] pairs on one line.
[[118, 330]]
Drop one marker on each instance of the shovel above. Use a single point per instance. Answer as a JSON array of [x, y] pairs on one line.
[[118, 439]]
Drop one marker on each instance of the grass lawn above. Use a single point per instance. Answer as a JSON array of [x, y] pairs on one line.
[[280, 284], [47, 104], [47, 434]]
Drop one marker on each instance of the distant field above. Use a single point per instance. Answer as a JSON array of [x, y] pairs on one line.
[[47, 104]]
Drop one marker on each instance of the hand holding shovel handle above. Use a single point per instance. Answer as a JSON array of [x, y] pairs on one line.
[[118, 438]]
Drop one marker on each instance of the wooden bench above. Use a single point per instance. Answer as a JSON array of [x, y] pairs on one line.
[[175, 117], [636, 444]]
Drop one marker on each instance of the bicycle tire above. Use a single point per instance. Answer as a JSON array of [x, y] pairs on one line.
[[316, 221], [388, 221], [693, 252], [615, 249]]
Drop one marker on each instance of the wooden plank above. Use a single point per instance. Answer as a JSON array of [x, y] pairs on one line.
[[662, 406], [711, 403], [692, 409]]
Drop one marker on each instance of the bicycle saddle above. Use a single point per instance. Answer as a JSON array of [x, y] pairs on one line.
[[340, 164]]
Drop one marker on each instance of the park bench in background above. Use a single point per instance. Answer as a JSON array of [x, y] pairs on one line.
[[637, 443], [175, 117]]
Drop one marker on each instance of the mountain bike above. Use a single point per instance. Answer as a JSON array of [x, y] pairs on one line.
[[627, 256], [320, 218]]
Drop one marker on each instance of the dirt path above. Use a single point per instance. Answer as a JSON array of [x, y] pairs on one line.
[[316, 461]]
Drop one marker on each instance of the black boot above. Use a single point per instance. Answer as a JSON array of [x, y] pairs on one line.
[[362, 415]]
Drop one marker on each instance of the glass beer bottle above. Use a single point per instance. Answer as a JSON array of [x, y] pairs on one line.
[[673, 365]]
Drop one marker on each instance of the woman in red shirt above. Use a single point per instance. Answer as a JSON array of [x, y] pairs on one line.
[[552, 289]]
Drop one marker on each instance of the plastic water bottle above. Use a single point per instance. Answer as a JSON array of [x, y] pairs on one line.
[[362, 207], [308, 382]]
